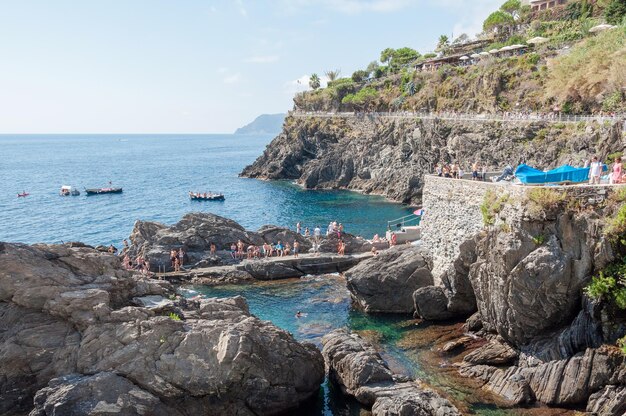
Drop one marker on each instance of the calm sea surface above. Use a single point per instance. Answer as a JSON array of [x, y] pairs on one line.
[[156, 172]]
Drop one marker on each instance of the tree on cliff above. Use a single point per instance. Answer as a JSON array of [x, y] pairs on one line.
[[499, 22], [443, 43], [332, 75], [512, 7], [615, 12], [396, 58], [314, 81], [363, 99]]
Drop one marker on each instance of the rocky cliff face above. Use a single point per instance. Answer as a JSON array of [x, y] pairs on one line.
[[82, 336], [390, 156]]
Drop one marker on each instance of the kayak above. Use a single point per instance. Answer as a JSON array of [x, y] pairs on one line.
[[22, 195]]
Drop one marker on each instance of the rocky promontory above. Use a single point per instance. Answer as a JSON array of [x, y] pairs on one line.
[[80, 335], [195, 233], [390, 156]]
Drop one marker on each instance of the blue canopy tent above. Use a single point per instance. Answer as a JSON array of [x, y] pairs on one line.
[[561, 175]]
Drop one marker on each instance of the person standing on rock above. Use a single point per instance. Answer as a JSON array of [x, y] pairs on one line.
[[307, 233], [213, 249], [181, 257], [317, 233], [475, 171], [595, 171], [296, 248], [173, 257], [616, 175], [299, 228]]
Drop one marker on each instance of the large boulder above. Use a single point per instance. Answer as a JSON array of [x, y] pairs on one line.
[[361, 372], [528, 282], [70, 314], [194, 233], [385, 283]]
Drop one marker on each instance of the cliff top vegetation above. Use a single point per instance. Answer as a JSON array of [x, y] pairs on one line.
[[567, 68]]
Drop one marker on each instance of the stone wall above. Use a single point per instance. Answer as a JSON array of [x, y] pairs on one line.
[[452, 212]]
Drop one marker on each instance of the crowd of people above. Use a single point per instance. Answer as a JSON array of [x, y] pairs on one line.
[[457, 171]]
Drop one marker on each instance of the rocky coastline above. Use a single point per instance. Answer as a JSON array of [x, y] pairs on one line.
[[390, 156], [80, 332]]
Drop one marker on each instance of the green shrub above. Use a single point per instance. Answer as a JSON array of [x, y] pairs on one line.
[[174, 316], [616, 226], [492, 205], [542, 200], [610, 285], [539, 239], [600, 286]]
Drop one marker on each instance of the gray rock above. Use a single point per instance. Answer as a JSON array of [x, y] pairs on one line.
[[272, 234], [559, 383], [100, 394], [431, 303], [610, 401], [360, 371], [385, 283], [492, 353]]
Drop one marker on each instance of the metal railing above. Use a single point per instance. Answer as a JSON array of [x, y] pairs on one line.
[[565, 118], [407, 220]]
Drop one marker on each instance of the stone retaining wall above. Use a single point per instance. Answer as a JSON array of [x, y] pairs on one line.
[[452, 212]]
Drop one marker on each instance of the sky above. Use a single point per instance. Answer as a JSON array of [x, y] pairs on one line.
[[194, 66]]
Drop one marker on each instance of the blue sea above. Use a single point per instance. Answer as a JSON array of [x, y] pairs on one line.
[[156, 173]]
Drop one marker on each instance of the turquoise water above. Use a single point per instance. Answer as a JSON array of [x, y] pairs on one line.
[[156, 172], [325, 304]]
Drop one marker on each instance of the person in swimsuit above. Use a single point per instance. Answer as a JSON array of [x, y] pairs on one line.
[[616, 176], [296, 248]]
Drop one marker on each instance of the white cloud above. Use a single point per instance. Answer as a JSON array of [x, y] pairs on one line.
[[232, 79], [222, 70], [260, 59]]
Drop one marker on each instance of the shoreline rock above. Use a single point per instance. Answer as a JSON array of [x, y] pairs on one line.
[[361, 372], [71, 326]]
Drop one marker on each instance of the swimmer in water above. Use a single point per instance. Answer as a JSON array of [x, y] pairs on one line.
[[299, 314]]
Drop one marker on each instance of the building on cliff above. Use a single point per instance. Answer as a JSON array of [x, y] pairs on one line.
[[537, 5]]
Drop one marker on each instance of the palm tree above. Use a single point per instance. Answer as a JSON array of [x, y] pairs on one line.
[[314, 81], [333, 75], [443, 43]]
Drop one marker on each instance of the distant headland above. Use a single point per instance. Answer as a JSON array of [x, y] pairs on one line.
[[264, 124]]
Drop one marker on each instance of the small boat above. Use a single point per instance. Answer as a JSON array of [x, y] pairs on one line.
[[23, 194], [67, 190], [98, 191], [206, 196]]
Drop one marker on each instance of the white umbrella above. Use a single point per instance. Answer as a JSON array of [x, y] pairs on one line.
[[512, 47], [464, 58], [475, 55], [506, 48], [484, 53], [494, 51], [600, 28], [537, 40]]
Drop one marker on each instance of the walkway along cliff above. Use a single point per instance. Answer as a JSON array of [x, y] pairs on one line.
[[390, 155], [540, 270]]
